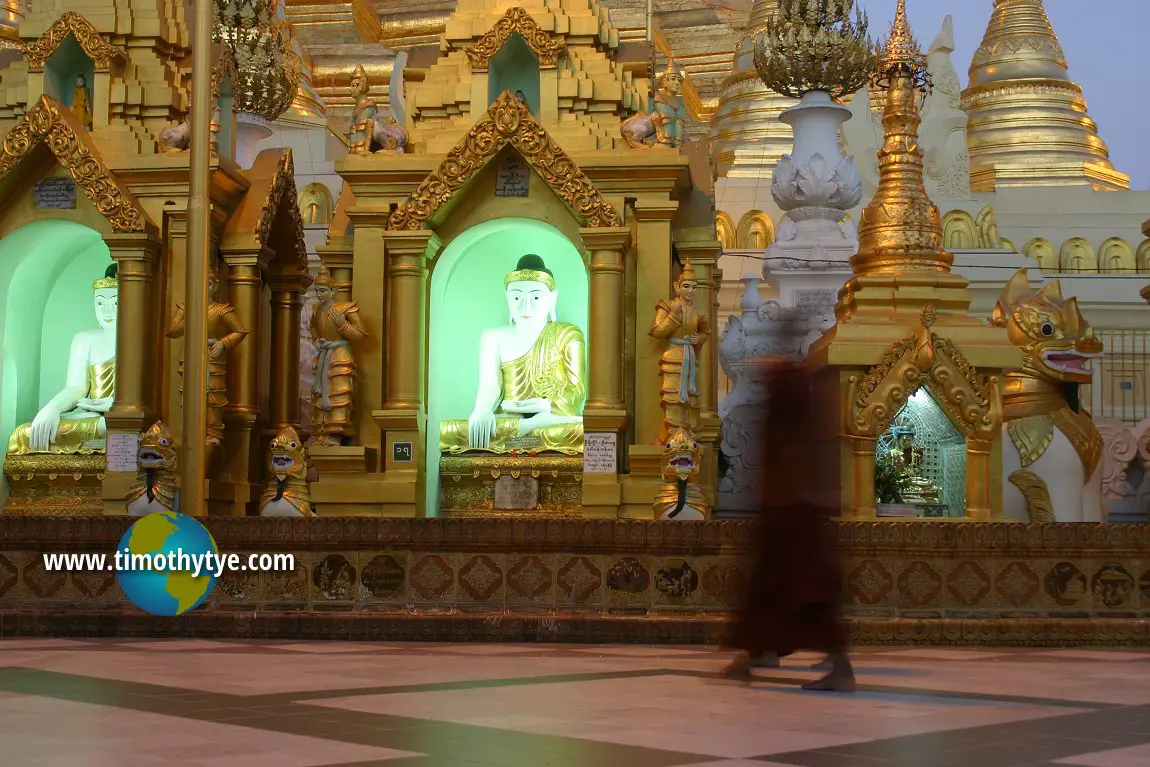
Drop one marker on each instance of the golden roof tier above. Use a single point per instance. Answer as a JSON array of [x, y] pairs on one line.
[[747, 137], [1020, 87], [553, 56]]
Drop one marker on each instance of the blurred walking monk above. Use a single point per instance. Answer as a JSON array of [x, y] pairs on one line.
[[793, 598]]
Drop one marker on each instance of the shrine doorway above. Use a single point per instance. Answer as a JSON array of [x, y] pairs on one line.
[[920, 463]]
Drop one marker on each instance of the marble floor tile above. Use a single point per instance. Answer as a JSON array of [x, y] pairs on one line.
[[207, 703], [40, 644], [1135, 756]]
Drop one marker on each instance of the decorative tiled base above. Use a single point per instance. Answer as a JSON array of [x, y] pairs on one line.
[[597, 581]]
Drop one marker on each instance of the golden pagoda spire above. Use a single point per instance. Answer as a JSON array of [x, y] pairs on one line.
[[1020, 86], [746, 135], [900, 230]]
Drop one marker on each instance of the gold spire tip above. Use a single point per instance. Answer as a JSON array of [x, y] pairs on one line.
[[901, 54]]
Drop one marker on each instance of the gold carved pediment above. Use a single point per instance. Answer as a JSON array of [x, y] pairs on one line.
[[516, 21], [970, 400], [99, 50], [271, 193], [50, 124], [507, 122]]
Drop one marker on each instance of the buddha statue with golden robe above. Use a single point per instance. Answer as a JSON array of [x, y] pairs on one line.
[[532, 376], [685, 329], [224, 333], [72, 422]]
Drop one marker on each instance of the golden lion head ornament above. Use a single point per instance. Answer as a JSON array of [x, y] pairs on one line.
[[1056, 340], [157, 450], [682, 458], [288, 457]]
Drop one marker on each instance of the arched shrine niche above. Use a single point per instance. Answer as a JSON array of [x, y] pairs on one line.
[[959, 231], [1042, 251], [47, 269], [468, 297], [920, 382], [756, 231], [69, 76], [515, 68], [920, 461]]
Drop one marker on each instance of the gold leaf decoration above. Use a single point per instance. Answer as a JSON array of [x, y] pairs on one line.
[[516, 21], [1038, 506], [49, 123], [507, 122], [924, 359], [99, 50], [282, 194]]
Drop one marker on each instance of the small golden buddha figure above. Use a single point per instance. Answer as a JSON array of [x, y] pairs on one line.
[[82, 102], [334, 324], [224, 333], [685, 330], [72, 422], [532, 376]]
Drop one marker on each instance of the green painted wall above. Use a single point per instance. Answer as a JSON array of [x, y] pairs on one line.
[[467, 298], [46, 273], [515, 68]]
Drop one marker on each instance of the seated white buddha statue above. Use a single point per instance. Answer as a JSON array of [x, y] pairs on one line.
[[72, 422], [532, 376]]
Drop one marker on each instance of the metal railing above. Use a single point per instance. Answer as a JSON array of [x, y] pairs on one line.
[[1121, 388]]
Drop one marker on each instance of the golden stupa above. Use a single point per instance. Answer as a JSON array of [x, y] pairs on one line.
[[1028, 121], [746, 133]]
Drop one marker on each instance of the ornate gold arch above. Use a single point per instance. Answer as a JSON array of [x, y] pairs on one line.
[[516, 21], [924, 359], [278, 193], [507, 122], [49, 123], [99, 50]]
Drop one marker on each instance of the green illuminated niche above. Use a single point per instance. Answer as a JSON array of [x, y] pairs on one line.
[[467, 297], [46, 273]]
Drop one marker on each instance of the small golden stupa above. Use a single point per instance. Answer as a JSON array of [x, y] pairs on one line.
[[904, 319]]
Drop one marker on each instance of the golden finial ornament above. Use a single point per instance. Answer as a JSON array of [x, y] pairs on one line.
[[902, 55], [901, 230], [257, 39], [815, 45]]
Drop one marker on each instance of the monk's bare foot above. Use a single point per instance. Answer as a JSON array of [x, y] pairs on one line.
[[840, 679], [738, 670], [769, 659], [826, 664]]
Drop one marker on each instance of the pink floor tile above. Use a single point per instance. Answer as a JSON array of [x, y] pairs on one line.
[[325, 648], [939, 654], [100, 736], [1099, 655], [1137, 756]]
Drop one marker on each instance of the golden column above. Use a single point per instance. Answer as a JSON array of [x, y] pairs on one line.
[[287, 303], [193, 484], [403, 416], [136, 256], [653, 282], [245, 286], [605, 411], [605, 388]]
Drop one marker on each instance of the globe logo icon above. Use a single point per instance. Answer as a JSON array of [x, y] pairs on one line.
[[157, 572]]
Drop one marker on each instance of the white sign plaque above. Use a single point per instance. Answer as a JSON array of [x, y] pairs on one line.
[[599, 453], [122, 449]]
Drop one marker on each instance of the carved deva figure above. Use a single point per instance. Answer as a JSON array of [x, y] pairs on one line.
[[666, 124], [686, 330], [333, 325], [681, 498], [72, 422], [224, 334], [369, 131], [155, 488], [287, 495], [1052, 454], [532, 376]]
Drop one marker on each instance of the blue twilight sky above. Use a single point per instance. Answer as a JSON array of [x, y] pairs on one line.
[[1105, 42]]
